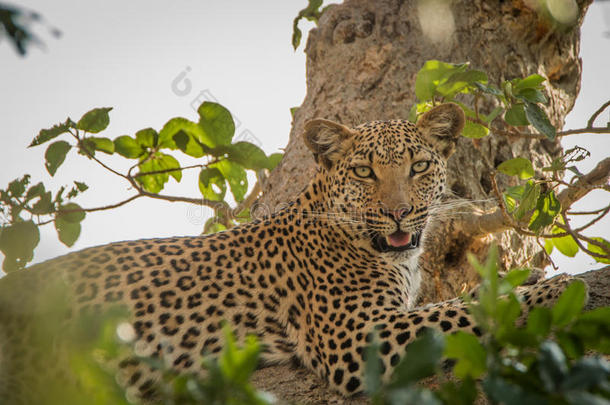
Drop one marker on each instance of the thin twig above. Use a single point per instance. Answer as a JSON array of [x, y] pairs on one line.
[[594, 220], [477, 224], [597, 113], [92, 156], [588, 212], [166, 170], [577, 238], [102, 208]]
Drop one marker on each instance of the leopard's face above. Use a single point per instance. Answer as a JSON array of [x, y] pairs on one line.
[[384, 176]]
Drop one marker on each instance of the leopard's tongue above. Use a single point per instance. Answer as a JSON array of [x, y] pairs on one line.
[[398, 239]]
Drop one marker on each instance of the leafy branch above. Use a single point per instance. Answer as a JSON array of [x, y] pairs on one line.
[[210, 139], [536, 208]]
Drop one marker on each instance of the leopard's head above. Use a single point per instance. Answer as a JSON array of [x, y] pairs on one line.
[[382, 177]]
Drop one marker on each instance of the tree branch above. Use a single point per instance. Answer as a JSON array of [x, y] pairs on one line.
[[477, 225], [597, 113], [165, 171]]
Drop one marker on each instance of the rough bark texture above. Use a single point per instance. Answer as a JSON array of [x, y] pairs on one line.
[[361, 66]]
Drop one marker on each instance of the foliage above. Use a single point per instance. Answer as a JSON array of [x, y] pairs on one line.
[[26, 207], [311, 13], [15, 24], [532, 207], [82, 355], [226, 382], [513, 363]]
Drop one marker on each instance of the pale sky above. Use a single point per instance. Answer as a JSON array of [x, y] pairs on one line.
[[126, 54]]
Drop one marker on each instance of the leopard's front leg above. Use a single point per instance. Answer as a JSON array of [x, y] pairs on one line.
[[343, 362]]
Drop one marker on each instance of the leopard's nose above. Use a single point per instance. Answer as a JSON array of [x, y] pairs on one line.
[[399, 213], [402, 212]]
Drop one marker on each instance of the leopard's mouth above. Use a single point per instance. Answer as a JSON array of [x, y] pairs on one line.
[[397, 242]]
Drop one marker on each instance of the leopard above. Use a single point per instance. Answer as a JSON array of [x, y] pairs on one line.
[[311, 281]]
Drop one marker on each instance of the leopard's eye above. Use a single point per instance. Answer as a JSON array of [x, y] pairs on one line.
[[420, 167], [363, 172]]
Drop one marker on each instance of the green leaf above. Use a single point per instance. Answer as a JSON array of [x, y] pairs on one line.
[[293, 111], [44, 205], [373, 368], [17, 186], [538, 118], [67, 232], [213, 226], [71, 212], [530, 82], [17, 242], [216, 122], [159, 162], [312, 12], [531, 95], [572, 344], [515, 278], [539, 322], [469, 353], [587, 373], [458, 393], [147, 138], [167, 162], [86, 147], [517, 167], [507, 310], [431, 75], [474, 130], [597, 249], [460, 82], [412, 395], [55, 155], [601, 314], [34, 191], [47, 134], [81, 186], [235, 176], [565, 244], [189, 145], [489, 89], [212, 184], [274, 160], [102, 144], [421, 359], [493, 114], [185, 130], [95, 120], [488, 290], [516, 115], [553, 366], [507, 393], [585, 398], [569, 304], [127, 147], [237, 364], [528, 202], [245, 154], [547, 208]]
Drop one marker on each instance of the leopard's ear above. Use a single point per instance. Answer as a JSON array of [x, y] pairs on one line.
[[327, 140], [442, 126]]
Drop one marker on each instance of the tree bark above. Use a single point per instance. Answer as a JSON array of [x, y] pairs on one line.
[[361, 66]]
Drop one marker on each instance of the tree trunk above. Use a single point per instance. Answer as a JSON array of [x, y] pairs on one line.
[[361, 66]]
